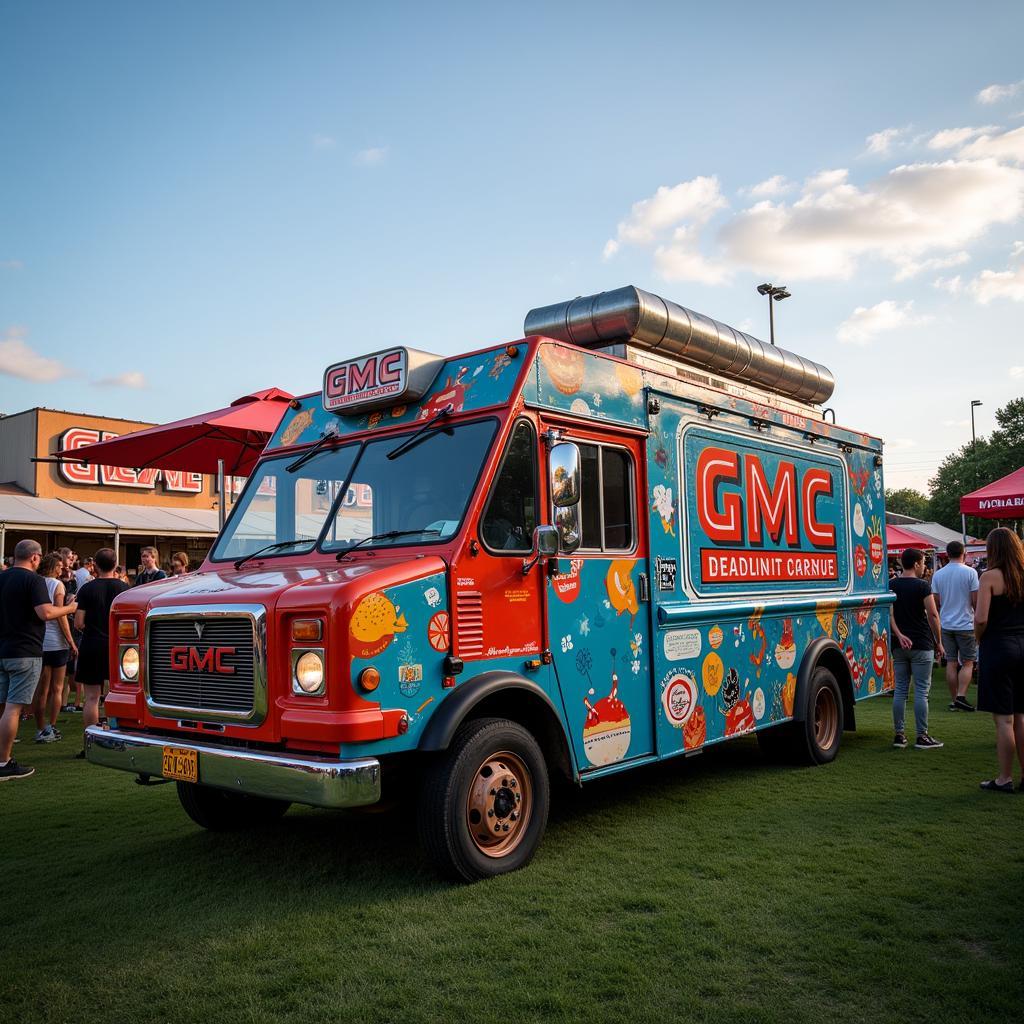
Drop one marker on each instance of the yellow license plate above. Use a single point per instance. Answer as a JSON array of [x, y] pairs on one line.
[[181, 763]]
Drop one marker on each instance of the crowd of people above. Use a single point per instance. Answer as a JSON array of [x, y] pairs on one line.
[[967, 620], [54, 637]]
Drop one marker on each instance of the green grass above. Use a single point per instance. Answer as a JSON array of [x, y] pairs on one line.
[[884, 887]]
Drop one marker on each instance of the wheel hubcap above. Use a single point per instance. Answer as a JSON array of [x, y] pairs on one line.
[[500, 804], [826, 718]]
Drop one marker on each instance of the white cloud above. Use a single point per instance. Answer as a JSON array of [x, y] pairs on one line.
[[695, 201], [908, 270], [867, 321], [1001, 284], [371, 156], [956, 423], [681, 260], [611, 247], [910, 211], [1017, 372], [900, 443], [18, 360], [129, 379], [1007, 145], [880, 144], [953, 285], [776, 185], [953, 138], [995, 93], [324, 141]]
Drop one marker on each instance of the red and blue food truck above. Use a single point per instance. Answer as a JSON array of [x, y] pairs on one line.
[[625, 537]]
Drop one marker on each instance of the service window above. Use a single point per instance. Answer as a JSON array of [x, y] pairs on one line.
[[606, 501], [508, 523]]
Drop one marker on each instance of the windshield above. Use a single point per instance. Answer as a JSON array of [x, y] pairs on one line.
[[422, 494]]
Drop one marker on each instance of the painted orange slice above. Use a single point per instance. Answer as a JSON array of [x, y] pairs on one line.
[[437, 631]]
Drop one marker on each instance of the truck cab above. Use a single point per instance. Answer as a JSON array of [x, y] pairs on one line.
[[457, 577]]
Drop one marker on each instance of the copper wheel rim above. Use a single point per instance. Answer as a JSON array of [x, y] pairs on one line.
[[826, 718], [500, 804]]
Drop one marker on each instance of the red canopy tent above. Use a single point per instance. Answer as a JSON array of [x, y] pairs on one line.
[[898, 539], [233, 436], [1002, 499]]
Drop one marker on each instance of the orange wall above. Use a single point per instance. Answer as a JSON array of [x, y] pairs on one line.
[[50, 484]]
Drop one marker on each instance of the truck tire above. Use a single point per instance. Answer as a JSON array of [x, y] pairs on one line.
[[220, 811], [815, 739], [484, 804]]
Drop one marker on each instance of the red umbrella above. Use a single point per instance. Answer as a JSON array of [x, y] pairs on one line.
[[897, 539], [1001, 499], [235, 435]]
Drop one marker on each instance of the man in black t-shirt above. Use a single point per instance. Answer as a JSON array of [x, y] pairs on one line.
[[915, 638], [25, 608], [93, 618]]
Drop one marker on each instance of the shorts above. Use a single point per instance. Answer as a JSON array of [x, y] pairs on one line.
[[56, 659], [93, 667], [960, 644], [1001, 675], [19, 678]]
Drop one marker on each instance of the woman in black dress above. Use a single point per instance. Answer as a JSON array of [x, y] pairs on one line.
[[999, 626]]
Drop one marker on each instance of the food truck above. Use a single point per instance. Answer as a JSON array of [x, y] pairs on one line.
[[625, 537]]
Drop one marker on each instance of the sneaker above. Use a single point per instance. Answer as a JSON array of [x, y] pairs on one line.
[[80, 756], [997, 787], [962, 704], [953, 707], [56, 732], [926, 742], [46, 736], [13, 770], [899, 740]]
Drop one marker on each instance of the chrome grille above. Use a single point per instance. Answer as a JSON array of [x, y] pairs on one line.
[[196, 687]]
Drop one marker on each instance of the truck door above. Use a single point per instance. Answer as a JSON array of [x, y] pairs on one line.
[[597, 616]]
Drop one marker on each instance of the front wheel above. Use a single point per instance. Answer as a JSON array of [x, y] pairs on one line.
[[814, 739], [484, 805], [220, 811]]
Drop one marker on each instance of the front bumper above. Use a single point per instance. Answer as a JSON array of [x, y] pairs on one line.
[[319, 781]]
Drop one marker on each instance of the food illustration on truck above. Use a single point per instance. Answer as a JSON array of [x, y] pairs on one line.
[[567, 555]]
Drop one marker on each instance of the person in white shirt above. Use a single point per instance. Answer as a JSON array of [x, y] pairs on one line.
[[85, 573], [955, 587]]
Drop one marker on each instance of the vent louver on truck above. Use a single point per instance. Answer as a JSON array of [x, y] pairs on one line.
[[469, 624]]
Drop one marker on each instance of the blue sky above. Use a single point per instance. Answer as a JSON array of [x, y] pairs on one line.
[[201, 199]]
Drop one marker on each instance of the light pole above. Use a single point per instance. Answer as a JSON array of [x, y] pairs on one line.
[[974, 459], [778, 294]]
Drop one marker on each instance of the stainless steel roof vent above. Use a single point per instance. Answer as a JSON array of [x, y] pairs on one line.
[[640, 318]]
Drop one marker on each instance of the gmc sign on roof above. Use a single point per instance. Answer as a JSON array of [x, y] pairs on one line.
[[391, 377]]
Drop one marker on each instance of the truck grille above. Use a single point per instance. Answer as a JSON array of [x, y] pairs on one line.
[[212, 672]]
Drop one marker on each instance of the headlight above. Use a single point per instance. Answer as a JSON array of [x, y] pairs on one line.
[[308, 677], [130, 664]]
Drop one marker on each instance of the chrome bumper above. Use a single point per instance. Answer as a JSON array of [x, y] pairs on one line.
[[321, 782]]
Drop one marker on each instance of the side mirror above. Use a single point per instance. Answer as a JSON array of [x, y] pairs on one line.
[[567, 526], [545, 545], [564, 474]]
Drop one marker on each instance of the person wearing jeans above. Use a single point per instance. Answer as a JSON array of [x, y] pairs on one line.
[[914, 622]]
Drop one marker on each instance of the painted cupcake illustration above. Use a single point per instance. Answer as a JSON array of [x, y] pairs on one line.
[[785, 649], [606, 731]]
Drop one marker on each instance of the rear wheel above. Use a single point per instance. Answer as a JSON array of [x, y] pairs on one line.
[[221, 811], [815, 739], [484, 806]]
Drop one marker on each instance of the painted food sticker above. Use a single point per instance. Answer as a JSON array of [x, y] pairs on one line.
[[374, 624], [712, 673], [858, 520], [860, 560], [739, 719], [788, 694], [579, 407], [630, 379], [438, 631], [565, 367], [433, 598], [296, 427], [785, 650], [681, 644], [879, 649], [679, 698], [759, 703], [567, 584], [695, 731], [826, 612], [715, 637], [621, 592], [662, 503], [876, 549], [606, 731], [410, 678]]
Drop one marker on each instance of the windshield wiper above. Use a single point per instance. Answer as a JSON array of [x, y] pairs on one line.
[[307, 455], [272, 547], [421, 434], [389, 535]]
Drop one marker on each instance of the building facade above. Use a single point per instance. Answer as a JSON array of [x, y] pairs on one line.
[[89, 507]]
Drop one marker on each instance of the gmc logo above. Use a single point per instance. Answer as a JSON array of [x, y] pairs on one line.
[[380, 375], [190, 659]]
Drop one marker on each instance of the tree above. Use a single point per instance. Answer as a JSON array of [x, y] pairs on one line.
[[905, 501]]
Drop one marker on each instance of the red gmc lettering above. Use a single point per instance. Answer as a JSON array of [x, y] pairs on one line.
[[391, 368], [774, 508], [716, 465], [817, 482], [362, 377], [189, 659]]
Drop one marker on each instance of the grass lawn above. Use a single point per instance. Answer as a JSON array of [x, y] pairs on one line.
[[884, 887]]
